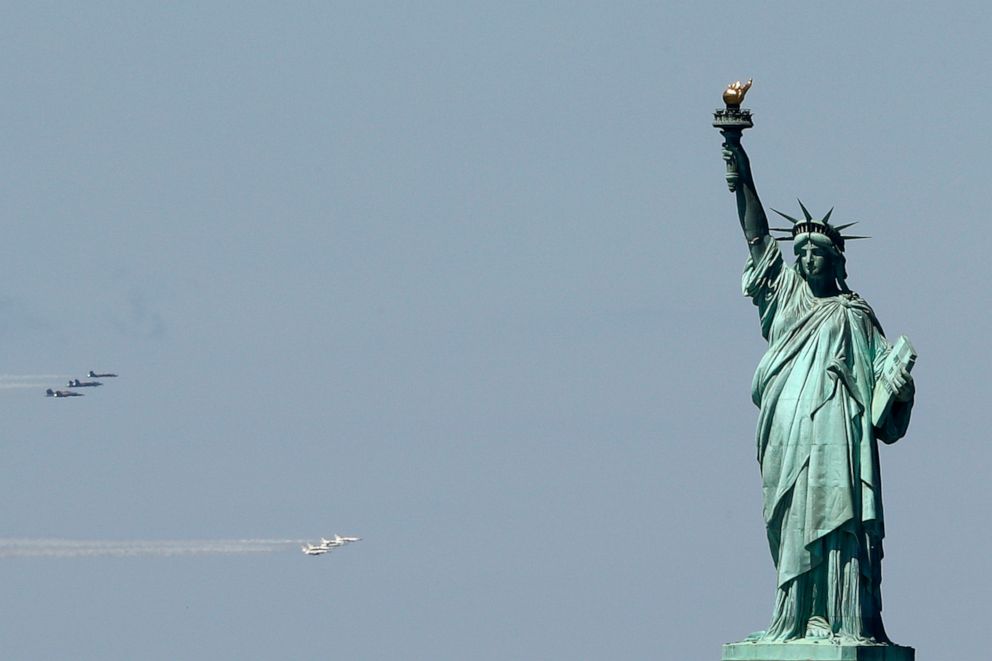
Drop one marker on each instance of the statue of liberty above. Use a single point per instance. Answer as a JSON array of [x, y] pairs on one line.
[[817, 437]]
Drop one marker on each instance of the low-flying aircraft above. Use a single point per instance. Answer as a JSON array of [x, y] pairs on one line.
[[94, 375], [310, 549], [76, 383], [337, 541], [62, 393]]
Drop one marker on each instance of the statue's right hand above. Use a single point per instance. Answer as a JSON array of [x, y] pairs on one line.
[[733, 173]]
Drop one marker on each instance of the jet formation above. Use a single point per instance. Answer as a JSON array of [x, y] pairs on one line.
[[76, 383], [327, 545]]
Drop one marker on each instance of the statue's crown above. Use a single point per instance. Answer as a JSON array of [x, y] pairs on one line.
[[810, 225]]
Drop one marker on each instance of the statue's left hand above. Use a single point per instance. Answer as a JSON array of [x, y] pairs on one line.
[[904, 386]]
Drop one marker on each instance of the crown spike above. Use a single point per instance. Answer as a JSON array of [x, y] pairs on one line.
[[803, 207], [841, 228], [852, 238], [789, 218], [827, 217]]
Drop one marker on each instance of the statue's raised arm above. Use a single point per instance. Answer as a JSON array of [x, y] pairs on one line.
[[732, 123]]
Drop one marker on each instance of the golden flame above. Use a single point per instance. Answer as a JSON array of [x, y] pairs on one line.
[[734, 94]]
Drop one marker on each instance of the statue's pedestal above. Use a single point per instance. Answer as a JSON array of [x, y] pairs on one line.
[[807, 651]]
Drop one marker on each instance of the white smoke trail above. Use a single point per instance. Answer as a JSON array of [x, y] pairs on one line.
[[19, 381], [74, 548]]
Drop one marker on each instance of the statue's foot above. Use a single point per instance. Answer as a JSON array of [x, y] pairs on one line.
[[818, 629], [757, 635], [863, 641]]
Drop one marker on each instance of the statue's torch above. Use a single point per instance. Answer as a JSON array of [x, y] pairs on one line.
[[732, 121]]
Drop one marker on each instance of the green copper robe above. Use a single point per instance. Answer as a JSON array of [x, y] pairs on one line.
[[818, 452]]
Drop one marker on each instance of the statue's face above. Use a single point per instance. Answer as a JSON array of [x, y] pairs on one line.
[[815, 259]]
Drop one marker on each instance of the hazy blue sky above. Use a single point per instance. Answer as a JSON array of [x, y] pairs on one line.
[[463, 279]]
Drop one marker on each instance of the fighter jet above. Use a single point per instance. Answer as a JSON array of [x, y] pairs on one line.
[[310, 549], [62, 393], [94, 375], [76, 383], [337, 541]]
